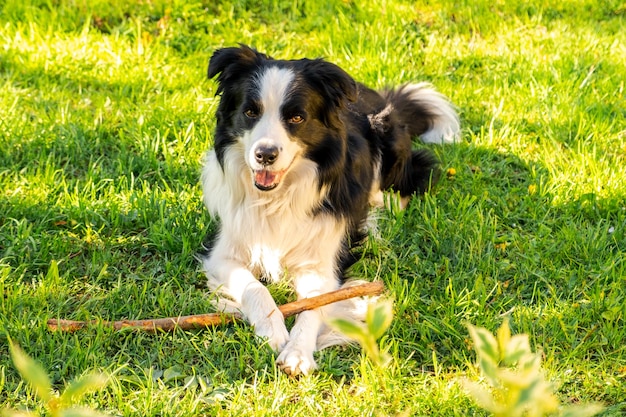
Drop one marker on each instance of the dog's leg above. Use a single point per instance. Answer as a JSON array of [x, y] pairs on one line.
[[297, 356], [257, 305]]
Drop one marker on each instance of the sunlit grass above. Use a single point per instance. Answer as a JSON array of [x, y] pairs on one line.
[[106, 113]]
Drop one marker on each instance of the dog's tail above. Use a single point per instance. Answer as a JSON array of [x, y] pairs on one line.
[[425, 112], [412, 110]]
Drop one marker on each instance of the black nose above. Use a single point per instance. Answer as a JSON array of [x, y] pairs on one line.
[[266, 155]]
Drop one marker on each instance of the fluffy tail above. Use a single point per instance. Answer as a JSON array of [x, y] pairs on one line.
[[425, 112], [412, 110]]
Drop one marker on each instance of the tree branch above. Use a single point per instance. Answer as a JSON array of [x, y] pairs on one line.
[[199, 321]]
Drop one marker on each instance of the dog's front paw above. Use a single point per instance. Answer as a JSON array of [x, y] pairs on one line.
[[273, 329], [295, 361]]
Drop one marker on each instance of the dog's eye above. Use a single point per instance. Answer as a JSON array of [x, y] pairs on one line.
[[251, 114], [297, 119]]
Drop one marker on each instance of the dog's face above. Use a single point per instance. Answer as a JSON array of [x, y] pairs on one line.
[[270, 118], [280, 112]]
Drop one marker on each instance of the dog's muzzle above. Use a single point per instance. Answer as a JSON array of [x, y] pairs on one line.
[[266, 178]]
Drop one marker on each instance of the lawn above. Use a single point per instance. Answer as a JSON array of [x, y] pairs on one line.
[[106, 112]]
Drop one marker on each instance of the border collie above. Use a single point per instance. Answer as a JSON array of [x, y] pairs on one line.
[[301, 153]]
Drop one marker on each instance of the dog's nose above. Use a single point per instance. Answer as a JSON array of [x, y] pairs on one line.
[[266, 155]]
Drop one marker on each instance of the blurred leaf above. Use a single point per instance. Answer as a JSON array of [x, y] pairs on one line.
[[485, 343], [503, 336], [351, 329], [515, 349], [515, 380], [482, 396], [525, 394], [529, 362], [7, 412], [489, 369], [83, 385], [32, 372], [379, 317], [81, 412]]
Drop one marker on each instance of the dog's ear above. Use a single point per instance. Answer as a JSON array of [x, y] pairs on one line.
[[331, 81], [233, 64]]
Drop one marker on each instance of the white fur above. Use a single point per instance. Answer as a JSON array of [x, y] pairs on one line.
[[265, 236], [446, 127]]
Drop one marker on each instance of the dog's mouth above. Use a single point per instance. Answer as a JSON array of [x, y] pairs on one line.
[[266, 180]]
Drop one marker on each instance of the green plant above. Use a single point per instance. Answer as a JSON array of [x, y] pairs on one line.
[[57, 406], [377, 320], [517, 383]]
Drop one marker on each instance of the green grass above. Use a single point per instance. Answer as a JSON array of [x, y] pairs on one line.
[[105, 114]]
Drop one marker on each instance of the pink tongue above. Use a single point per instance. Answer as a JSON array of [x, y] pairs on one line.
[[265, 178]]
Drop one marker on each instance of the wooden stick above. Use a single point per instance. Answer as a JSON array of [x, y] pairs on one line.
[[198, 321]]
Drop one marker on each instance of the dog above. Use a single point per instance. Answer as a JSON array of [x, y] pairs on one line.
[[301, 153]]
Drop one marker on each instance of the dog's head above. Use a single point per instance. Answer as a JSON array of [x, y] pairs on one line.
[[279, 111]]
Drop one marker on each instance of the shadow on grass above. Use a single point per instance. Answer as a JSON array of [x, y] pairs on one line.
[[491, 240]]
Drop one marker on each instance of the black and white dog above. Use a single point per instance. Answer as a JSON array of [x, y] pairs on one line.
[[302, 152]]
